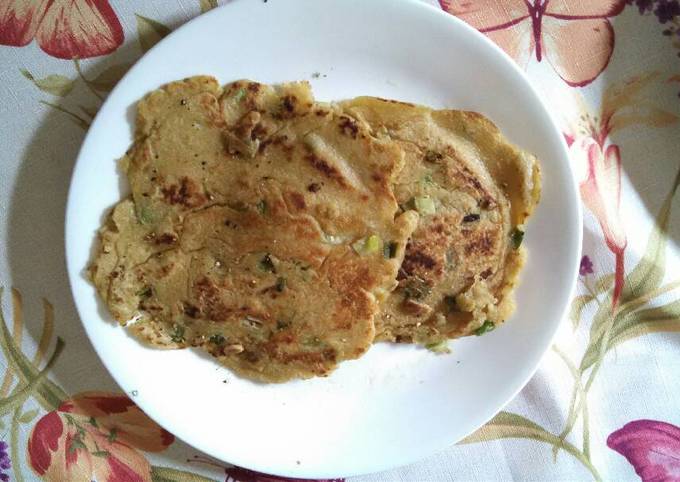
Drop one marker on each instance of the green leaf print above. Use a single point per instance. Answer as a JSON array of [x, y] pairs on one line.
[[577, 306], [644, 322], [649, 272], [150, 32], [207, 5], [168, 474], [52, 84], [107, 79], [604, 283], [75, 118], [638, 323], [511, 425], [28, 416], [48, 394], [88, 111], [645, 279], [611, 328], [21, 395]]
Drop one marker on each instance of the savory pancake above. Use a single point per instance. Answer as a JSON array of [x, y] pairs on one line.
[[247, 232], [473, 190]]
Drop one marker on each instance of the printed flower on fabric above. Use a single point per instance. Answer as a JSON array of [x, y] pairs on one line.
[[95, 435], [651, 447], [5, 462], [586, 266], [575, 36], [597, 160], [66, 29], [601, 193]]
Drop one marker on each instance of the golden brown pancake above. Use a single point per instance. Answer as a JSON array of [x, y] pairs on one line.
[[284, 235], [247, 233], [473, 190]]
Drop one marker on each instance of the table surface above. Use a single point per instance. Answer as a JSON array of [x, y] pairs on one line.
[[604, 401]]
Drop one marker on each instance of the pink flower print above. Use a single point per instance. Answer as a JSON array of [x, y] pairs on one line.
[[651, 447], [65, 29], [95, 435], [601, 193], [630, 103], [575, 36]]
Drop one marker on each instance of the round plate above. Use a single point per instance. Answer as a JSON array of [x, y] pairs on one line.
[[396, 404]]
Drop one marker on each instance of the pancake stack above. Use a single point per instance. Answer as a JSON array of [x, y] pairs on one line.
[[283, 235]]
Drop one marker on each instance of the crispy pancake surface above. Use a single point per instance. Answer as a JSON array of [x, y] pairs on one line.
[[248, 232], [283, 235], [474, 190]]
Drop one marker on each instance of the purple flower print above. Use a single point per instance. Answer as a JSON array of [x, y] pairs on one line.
[[586, 267], [651, 447], [664, 10], [643, 6], [5, 463], [667, 10]]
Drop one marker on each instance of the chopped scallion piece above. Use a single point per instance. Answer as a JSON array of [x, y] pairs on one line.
[[516, 237], [438, 347], [177, 334], [146, 215], [145, 293], [424, 205], [368, 245], [390, 250], [240, 94], [282, 325], [266, 264], [280, 284], [372, 244], [486, 327], [450, 302]]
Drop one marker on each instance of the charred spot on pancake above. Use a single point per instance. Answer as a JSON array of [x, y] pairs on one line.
[[480, 242], [288, 107], [251, 356], [433, 156], [298, 200], [398, 102], [416, 259], [166, 238], [191, 311], [348, 126], [325, 168], [186, 193]]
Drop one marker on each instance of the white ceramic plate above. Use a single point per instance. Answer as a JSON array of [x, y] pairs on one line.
[[396, 404]]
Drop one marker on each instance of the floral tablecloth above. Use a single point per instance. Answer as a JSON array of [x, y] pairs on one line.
[[605, 402]]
